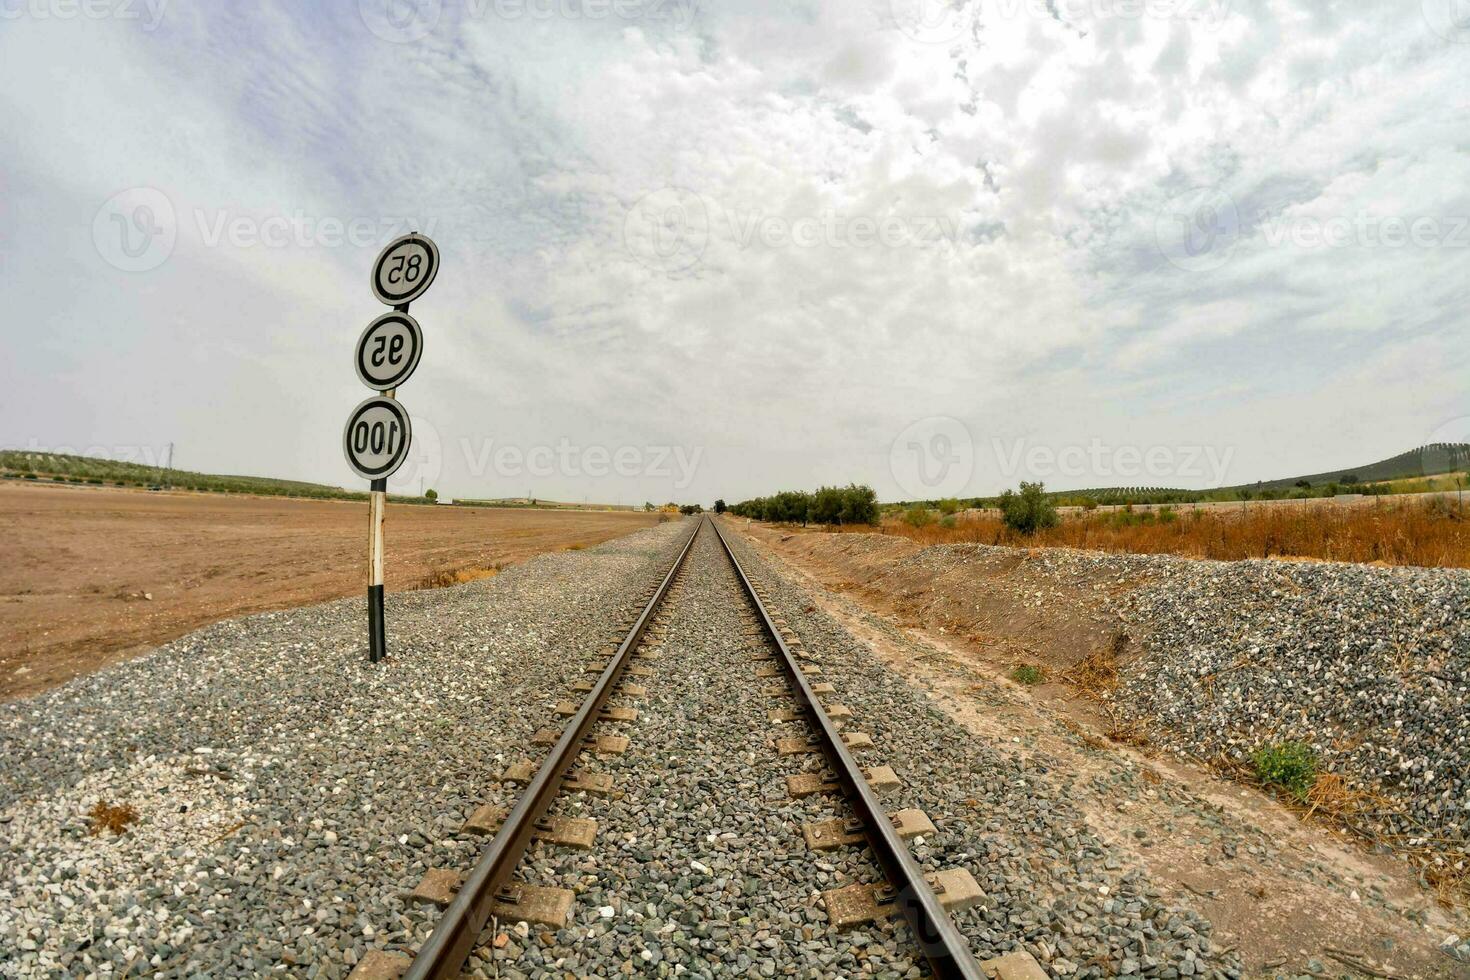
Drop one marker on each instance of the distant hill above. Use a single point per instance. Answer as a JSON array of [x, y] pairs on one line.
[[1415, 465], [1425, 461], [56, 468]]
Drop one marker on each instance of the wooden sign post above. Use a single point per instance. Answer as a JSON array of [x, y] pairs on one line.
[[379, 431]]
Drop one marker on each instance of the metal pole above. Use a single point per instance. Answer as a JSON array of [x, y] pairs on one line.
[[377, 515]]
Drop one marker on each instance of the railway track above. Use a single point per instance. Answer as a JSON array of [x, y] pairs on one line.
[[813, 741]]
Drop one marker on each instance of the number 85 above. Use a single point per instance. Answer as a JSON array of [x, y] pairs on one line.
[[406, 268]]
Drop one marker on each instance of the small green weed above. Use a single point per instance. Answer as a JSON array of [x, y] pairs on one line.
[[1028, 674], [1291, 766]]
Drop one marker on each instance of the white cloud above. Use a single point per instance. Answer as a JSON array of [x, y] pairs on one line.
[[858, 230]]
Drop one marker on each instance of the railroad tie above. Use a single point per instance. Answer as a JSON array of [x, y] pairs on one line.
[[799, 785], [855, 905]]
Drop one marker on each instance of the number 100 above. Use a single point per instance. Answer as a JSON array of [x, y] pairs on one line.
[[377, 437]]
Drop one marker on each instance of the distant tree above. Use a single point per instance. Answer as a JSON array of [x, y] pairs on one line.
[[918, 516], [1304, 484], [949, 506], [689, 509], [431, 494], [719, 506], [1028, 511], [648, 507]]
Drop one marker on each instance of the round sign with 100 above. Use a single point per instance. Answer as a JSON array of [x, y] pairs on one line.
[[377, 437]]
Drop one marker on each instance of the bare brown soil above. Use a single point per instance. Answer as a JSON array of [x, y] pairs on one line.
[[91, 576], [1283, 890]]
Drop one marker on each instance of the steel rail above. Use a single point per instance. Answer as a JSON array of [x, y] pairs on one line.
[[443, 955], [943, 946]]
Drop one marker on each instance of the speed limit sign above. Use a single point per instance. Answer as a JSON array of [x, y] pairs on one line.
[[405, 269], [376, 438], [388, 351]]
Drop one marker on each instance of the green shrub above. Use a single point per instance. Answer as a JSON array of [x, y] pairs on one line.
[[949, 506], [1291, 766], [947, 521], [1028, 511], [1028, 674], [918, 516]]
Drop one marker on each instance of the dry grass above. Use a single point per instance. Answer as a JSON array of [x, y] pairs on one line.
[[106, 816], [1096, 676], [1433, 534], [442, 578]]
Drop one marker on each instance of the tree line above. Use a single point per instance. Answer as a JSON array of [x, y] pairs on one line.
[[852, 504]]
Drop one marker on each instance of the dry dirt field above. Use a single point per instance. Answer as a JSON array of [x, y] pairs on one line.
[[78, 565]]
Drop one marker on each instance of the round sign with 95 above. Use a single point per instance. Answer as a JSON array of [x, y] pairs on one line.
[[388, 351], [377, 437]]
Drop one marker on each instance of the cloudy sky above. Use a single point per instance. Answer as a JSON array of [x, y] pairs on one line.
[[695, 250]]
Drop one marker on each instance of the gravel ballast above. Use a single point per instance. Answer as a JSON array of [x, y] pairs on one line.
[[287, 791], [288, 795], [1367, 665], [1053, 889]]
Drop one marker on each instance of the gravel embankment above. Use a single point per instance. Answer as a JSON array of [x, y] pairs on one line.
[[1053, 888], [1369, 665], [287, 791]]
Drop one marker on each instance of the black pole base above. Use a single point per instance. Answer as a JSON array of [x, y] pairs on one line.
[[377, 639]]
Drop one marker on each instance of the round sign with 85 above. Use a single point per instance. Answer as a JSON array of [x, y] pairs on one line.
[[376, 438], [388, 351], [405, 269]]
